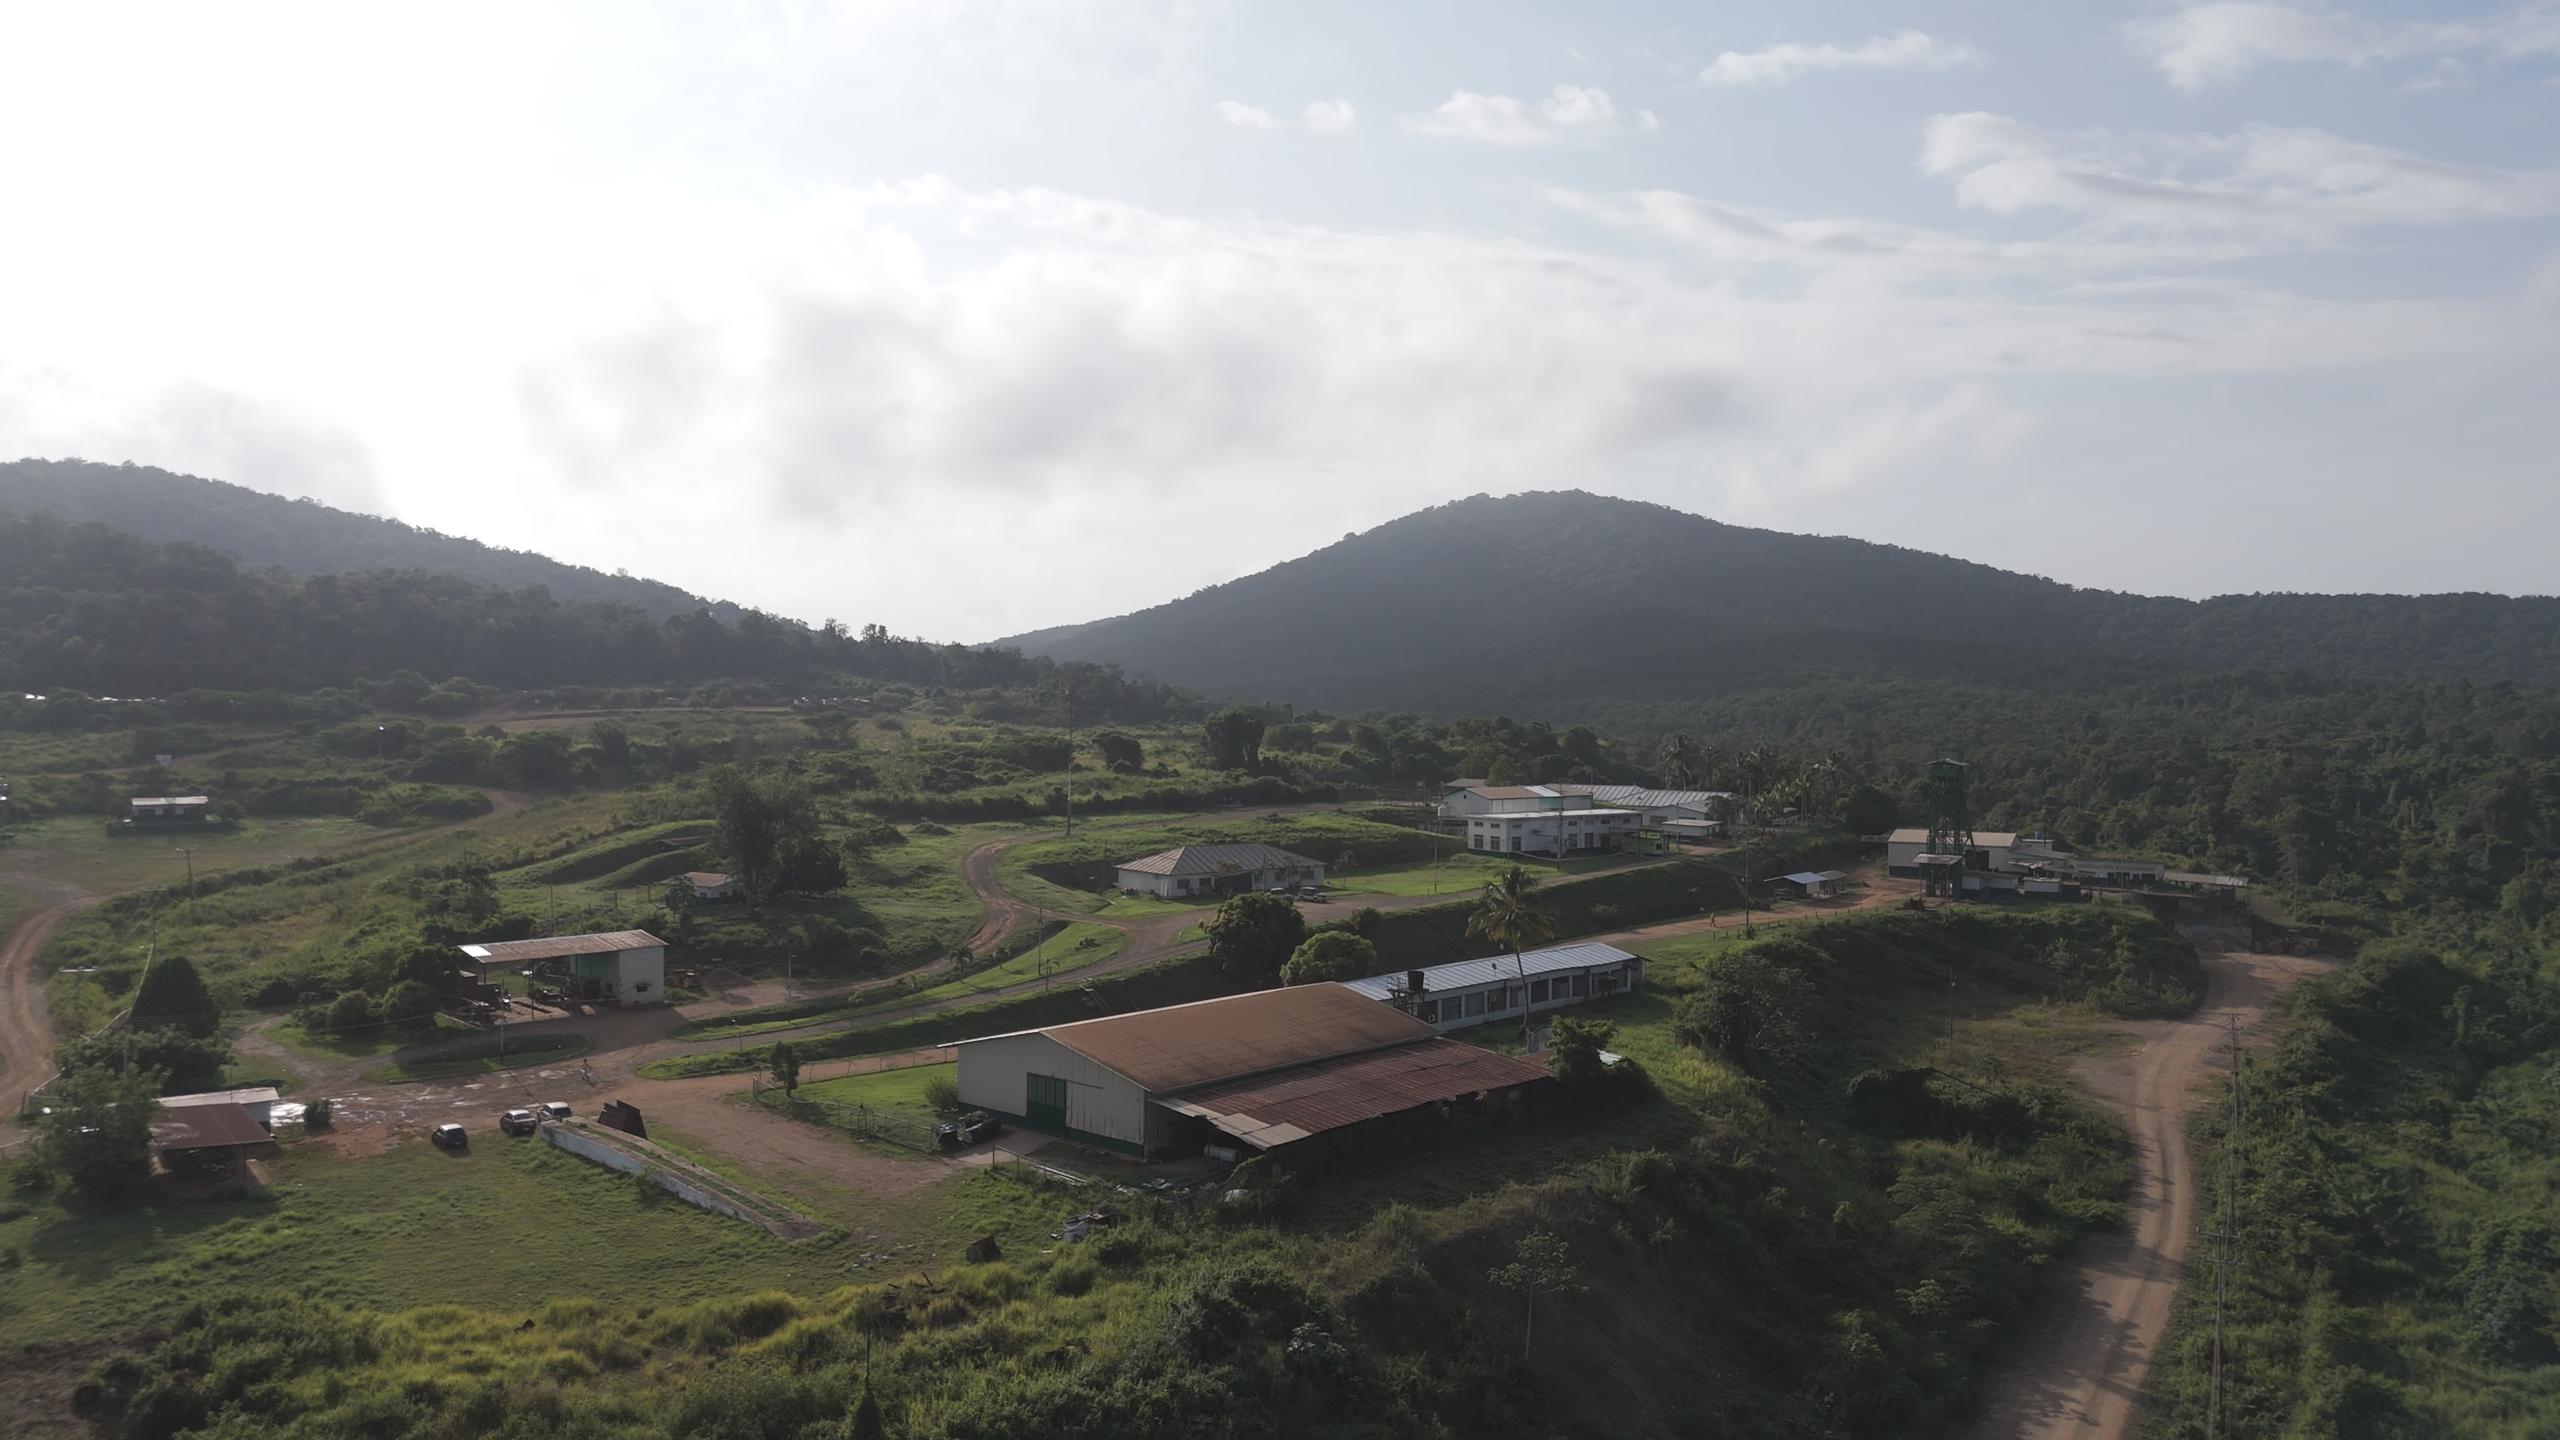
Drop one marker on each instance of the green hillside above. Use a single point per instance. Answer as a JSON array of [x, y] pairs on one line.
[[304, 537], [1541, 601]]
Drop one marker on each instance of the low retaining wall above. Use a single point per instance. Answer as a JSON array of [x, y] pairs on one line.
[[679, 1178]]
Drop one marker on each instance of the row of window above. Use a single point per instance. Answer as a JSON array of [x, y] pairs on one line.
[[1478, 1003]]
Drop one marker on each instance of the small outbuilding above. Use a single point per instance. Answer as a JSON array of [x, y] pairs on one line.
[[259, 1101], [170, 809], [1197, 870], [206, 1139], [711, 885], [1811, 884], [622, 967]]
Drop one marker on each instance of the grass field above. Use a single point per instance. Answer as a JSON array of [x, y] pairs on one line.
[[77, 850], [483, 1058], [900, 1092], [508, 1225], [1071, 949]]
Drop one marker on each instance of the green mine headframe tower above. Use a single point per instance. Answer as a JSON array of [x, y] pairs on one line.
[[1950, 829]]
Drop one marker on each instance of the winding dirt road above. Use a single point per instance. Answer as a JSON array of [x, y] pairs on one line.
[[2082, 1374]]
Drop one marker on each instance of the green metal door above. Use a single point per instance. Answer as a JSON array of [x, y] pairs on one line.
[[1044, 1103]]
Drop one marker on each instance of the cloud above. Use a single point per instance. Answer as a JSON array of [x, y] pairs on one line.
[[1246, 117], [2201, 45], [1332, 117], [2286, 187], [1573, 112], [1778, 64]]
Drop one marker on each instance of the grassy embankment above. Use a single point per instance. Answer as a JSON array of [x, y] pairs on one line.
[[2394, 1185]]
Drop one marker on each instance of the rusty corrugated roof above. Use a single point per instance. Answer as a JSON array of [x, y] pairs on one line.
[[1293, 1104], [206, 1127], [1208, 1040], [509, 951]]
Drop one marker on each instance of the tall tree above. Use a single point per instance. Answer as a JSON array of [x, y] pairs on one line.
[[1235, 739], [786, 1068], [1679, 760], [1509, 914], [97, 1129], [173, 996], [1254, 934], [1330, 955], [1541, 1265]]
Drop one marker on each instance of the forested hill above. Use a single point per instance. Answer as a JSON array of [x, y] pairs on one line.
[[303, 537], [87, 608], [1489, 603]]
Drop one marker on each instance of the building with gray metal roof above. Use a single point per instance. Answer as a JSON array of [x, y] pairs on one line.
[[1461, 993], [1193, 870]]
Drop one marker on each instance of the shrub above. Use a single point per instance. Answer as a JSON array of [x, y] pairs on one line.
[[315, 1115], [350, 1012], [31, 1173], [942, 1095]]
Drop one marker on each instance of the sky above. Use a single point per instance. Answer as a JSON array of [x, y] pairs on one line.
[[967, 319]]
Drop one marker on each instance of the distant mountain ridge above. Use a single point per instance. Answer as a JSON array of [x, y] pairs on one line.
[[1532, 601], [305, 538]]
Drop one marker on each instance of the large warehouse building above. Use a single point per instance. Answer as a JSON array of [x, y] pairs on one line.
[[1270, 1069], [624, 967]]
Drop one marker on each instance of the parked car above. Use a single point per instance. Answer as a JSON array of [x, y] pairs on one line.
[[1310, 892], [980, 1127], [554, 1109], [517, 1122], [450, 1137]]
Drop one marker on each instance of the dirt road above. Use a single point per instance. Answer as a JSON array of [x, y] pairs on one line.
[[26, 1035], [2084, 1369]]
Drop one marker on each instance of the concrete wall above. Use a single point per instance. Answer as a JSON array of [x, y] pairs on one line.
[[605, 1153]]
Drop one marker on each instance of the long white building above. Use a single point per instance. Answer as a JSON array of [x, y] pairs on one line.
[[1552, 832], [1462, 993]]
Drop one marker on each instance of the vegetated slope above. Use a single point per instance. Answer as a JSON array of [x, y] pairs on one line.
[[89, 608], [304, 537], [1493, 602]]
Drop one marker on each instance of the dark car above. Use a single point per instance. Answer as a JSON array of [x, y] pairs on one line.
[[517, 1122], [450, 1137], [980, 1127]]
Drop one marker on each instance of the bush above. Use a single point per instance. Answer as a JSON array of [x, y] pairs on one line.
[[942, 1095], [315, 1115], [31, 1173], [350, 1012]]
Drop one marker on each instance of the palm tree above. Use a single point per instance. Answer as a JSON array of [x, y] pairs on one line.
[[1509, 915], [1680, 761]]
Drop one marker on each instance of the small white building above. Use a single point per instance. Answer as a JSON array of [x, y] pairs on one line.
[[711, 885], [1196, 870], [1479, 992], [165, 808], [259, 1101], [621, 967], [1466, 799], [1813, 884], [1552, 832], [1991, 850]]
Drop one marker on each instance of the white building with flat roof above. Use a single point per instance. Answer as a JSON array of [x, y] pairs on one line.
[[1462, 993], [1552, 832]]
